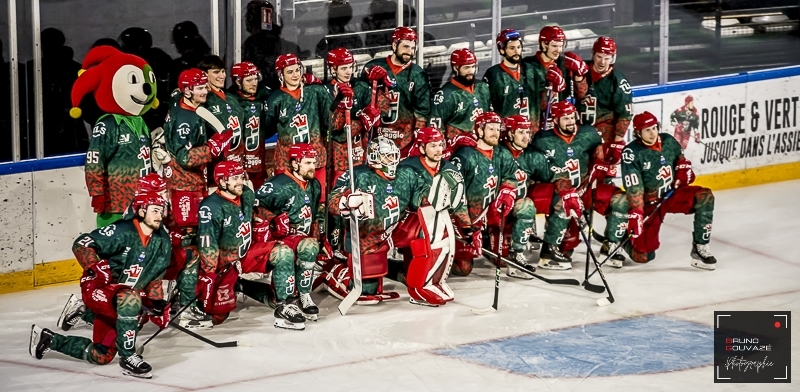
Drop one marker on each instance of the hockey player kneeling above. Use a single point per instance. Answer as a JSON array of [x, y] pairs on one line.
[[426, 234], [653, 164], [290, 201], [490, 185], [123, 265], [379, 199]]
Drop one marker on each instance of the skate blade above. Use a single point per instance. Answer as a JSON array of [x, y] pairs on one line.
[[194, 325], [518, 275], [35, 333], [703, 266], [311, 317], [147, 375], [284, 324], [422, 303], [555, 267], [614, 263]]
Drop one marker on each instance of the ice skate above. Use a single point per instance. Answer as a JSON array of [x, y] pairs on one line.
[[702, 257], [71, 315], [289, 316], [41, 339], [135, 366]]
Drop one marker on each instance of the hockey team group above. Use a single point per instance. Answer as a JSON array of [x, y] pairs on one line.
[[374, 176]]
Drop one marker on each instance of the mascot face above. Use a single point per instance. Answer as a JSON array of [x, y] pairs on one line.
[[134, 88]]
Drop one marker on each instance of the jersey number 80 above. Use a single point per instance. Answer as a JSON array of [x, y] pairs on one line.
[[631, 180]]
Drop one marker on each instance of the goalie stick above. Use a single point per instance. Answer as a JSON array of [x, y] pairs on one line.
[[355, 241]]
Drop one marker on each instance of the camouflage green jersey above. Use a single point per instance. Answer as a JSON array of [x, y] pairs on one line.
[[185, 136], [539, 66], [406, 106], [570, 158], [391, 197], [134, 261], [610, 94], [252, 111], [285, 193], [299, 116], [118, 155], [648, 172], [363, 96], [226, 108], [533, 167], [224, 233], [512, 92], [455, 107], [484, 172], [423, 173]]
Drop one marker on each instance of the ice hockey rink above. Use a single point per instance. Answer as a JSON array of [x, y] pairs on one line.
[[657, 336]]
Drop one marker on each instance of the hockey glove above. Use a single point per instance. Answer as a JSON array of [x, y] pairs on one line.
[[219, 143], [601, 171], [160, 316], [612, 151], [684, 175], [474, 237], [573, 206], [310, 79], [363, 204], [505, 200], [555, 79], [379, 74], [635, 223], [370, 116], [261, 231], [347, 92], [99, 204], [282, 226], [575, 64]]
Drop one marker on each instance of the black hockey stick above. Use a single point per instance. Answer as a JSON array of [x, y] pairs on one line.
[[602, 301], [628, 238], [586, 284], [140, 349], [233, 343], [496, 272]]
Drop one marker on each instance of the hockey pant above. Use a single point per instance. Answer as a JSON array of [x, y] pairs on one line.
[[685, 200]]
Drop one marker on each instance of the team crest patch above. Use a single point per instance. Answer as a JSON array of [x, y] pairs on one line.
[[491, 168], [389, 188], [570, 152]]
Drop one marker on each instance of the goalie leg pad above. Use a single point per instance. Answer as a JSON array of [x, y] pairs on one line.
[[418, 271]]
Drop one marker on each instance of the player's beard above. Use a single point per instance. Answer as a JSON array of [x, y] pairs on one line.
[[569, 129], [404, 58], [515, 59], [154, 224], [467, 80], [236, 190], [306, 176]]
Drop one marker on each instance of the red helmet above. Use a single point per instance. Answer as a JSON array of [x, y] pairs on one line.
[[339, 56], [551, 33], [688, 99], [226, 169], [561, 109], [427, 135], [461, 57], [286, 60], [486, 118], [605, 45], [505, 36], [152, 182], [299, 151], [146, 199], [244, 69], [512, 123], [191, 78], [404, 33], [644, 120]]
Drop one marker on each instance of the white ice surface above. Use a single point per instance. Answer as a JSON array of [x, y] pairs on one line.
[[389, 347]]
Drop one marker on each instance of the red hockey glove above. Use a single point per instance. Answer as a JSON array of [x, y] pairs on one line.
[[612, 151], [99, 204], [347, 93], [575, 64], [219, 143], [282, 227], [96, 276], [310, 79], [600, 171], [573, 206], [326, 249], [684, 175], [261, 232], [505, 200], [160, 316], [555, 79], [474, 238], [635, 223], [370, 116], [379, 74]]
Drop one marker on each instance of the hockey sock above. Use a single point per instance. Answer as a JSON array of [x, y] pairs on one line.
[[129, 304], [307, 251]]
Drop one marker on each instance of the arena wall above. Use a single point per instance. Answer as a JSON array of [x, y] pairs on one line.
[[750, 118]]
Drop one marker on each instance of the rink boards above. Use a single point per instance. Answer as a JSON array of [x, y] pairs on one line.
[[750, 118]]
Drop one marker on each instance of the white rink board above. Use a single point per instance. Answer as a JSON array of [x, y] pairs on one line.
[[16, 225]]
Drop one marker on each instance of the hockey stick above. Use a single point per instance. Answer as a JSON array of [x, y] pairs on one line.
[[697, 139], [373, 103], [233, 343], [140, 349], [496, 272], [355, 241], [602, 301], [586, 285], [628, 238], [547, 109]]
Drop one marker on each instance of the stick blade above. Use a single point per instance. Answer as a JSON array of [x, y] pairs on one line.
[[603, 302], [488, 310], [593, 287]]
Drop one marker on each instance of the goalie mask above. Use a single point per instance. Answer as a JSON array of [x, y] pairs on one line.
[[383, 155]]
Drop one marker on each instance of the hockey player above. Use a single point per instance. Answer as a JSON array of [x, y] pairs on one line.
[[556, 71], [426, 231], [512, 82], [290, 201], [379, 198], [685, 120], [405, 102], [123, 265], [652, 165], [575, 155], [224, 107], [298, 113], [608, 105], [244, 91], [490, 185], [462, 99]]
